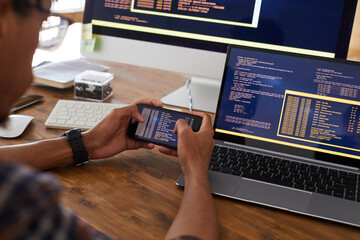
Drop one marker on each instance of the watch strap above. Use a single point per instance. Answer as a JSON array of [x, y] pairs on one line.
[[76, 142]]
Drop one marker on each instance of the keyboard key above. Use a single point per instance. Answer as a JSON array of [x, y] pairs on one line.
[[314, 168], [350, 197], [321, 186], [310, 188], [215, 168], [287, 183], [347, 181], [60, 121], [323, 170], [351, 191], [51, 121], [338, 194], [323, 191], [223, 150], [236, 168], [340, 185], [352, 176], [213, 163], [225, 170], [334, 173], [335, 189], [299, 186]]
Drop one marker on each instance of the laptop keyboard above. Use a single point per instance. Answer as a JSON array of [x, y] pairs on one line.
[[286, 173]]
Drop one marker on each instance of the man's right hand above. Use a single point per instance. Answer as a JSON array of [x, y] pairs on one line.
[[194, 148], [197, 210]]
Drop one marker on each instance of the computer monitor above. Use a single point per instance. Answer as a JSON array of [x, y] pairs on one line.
[[191, 36]]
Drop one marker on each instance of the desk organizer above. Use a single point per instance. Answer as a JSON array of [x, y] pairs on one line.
[[93, 85]]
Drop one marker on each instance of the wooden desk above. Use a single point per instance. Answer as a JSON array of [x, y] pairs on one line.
[[133, 195], [354, 47]]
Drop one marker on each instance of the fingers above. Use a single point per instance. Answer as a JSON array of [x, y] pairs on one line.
[[150, 102], [140, 144], [206, 125], [206, 122], [180, 125], [148, 145], [135, 112], [168, 151]]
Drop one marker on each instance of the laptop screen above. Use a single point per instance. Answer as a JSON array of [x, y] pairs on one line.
[[291, 103]]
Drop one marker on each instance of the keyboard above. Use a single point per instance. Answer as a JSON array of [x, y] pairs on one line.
[[69, 114], [287, 173]]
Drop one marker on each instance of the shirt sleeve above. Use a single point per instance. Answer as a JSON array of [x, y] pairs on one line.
[[30, 207]]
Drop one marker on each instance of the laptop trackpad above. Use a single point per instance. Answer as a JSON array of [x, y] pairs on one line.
[[269, 194]]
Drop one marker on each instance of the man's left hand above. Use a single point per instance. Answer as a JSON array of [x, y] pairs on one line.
[[109, 137]]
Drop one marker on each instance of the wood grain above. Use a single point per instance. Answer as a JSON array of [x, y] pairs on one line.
[[354, 48], [75, 16]]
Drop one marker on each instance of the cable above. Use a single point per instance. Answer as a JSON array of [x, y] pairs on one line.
[[189, 94]]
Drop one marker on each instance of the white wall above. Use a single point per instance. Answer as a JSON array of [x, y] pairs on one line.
[[68, 5]]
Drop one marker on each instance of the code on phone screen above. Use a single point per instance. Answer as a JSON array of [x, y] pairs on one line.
[[159, 126]]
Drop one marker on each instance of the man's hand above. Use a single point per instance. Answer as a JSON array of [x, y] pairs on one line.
[[197, 211], [109, 136], [194, 148]]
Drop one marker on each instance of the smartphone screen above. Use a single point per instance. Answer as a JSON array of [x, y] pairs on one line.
[[159, 125]]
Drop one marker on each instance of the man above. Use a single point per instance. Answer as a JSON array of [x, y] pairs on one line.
[[29, 206]]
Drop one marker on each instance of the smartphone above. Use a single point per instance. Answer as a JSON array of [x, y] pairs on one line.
[[26, 100], [159, 125]]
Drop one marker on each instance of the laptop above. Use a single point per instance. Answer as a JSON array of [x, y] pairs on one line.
[[287, 133]]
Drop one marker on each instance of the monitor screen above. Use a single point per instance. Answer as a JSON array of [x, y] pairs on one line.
[[191, 36], [321, 27]]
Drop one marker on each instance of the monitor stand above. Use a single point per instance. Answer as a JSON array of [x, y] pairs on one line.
[[204, 92]]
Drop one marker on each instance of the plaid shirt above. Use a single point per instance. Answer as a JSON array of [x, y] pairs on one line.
[[30, 208]]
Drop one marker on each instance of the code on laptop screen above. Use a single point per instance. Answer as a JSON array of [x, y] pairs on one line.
[[307, 103]]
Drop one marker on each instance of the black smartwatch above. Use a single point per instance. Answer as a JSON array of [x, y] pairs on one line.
[[77, 145]]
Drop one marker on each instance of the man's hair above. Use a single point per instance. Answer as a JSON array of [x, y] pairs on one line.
[[22, 7]]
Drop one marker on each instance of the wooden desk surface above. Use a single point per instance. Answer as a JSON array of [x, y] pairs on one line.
[[133, 195], [354, 47]]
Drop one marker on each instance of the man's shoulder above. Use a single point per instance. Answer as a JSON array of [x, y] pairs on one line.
[[23, 188], [20, 176]]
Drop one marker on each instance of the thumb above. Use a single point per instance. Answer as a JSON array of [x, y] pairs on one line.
[[136, 114]]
